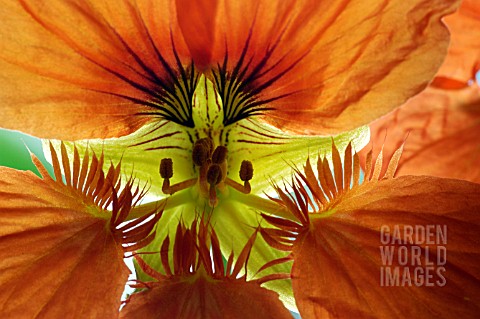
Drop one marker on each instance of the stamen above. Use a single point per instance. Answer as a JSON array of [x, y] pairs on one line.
[[208, 143], [199, 155], [166, 168], [166, 172], [246, 171], [219, 155], [214, 174], [214, 177], [246, 174], [202, 150]]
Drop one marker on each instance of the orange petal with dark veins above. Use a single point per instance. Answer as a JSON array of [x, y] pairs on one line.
[[405, 247], [324, 67], [85, 69], [56, 258]]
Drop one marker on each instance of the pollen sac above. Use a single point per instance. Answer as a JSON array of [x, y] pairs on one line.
[[208, 144], [200, 154], [214, 174], [202, 150], [166, 168], [246, 171], [219, 155]]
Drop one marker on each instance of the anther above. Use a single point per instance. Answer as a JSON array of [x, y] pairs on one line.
[[246, 174], [214, 177], [246, 171], [214, 174], [219, 155], [200, 154], [166, 172], [208, 143], [166, 168]]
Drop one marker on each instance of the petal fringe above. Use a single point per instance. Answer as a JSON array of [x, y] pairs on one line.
[[360, 255], [197, 283], [61, 247]]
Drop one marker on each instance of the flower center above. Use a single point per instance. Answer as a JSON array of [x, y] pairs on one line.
[[211, 163]]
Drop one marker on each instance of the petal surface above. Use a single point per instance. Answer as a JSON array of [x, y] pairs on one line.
[[205, 299], [197, 283], [338, 263], [55, 257], [440, 129], [440, 126], [84, 69], [323, 67], [463, 58]]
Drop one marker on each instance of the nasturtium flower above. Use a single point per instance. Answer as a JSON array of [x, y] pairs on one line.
[[208, 105]]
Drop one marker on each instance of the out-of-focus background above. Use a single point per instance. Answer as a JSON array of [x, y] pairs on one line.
[[14, 151]]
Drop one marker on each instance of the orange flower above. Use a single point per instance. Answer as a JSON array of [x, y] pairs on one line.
[[213, 91]]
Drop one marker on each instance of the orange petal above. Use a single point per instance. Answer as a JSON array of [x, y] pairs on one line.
[[197, 22], [325, 67], [79, 69], [56, 258], [200, 285], [61, 248], [338, 264], [448, 83], [442, 129], [387, 248], [463, 58], [205, 298]]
